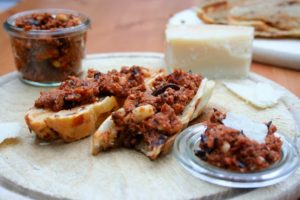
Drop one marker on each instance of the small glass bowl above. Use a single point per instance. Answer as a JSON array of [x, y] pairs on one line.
[[48, 57], [188, 141]]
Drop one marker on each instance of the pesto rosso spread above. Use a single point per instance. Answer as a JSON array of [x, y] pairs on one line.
[[169, 96], [76, 92], [42, 55], [47, 21], [231, 149]]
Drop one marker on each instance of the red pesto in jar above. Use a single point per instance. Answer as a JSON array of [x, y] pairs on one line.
[[230, 149], [51, 57], [47, 21]]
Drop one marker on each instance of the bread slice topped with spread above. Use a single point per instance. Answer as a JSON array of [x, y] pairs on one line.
[[150, 120], [72, 124], [77, 107]]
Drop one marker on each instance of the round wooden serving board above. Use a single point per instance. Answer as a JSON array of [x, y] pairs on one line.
[[48, 171]]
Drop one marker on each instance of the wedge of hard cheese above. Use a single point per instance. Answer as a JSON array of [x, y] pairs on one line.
[[215, 51]]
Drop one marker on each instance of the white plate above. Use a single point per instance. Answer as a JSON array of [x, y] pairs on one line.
[[279, 52]]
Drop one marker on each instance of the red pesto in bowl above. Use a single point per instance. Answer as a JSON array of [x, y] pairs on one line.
[[48, 45], [231, 149]]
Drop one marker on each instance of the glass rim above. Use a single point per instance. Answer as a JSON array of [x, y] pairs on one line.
[[10, 27]]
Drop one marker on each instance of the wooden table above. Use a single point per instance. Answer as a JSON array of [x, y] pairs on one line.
[[128, 25]]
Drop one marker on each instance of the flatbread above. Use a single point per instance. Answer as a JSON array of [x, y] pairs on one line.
[[216, 11], [45, 171], [270, 18]]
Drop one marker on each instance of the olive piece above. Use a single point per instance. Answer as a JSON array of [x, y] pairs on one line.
[[162, 89]]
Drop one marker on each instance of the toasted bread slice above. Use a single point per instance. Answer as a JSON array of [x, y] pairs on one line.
[[192, 111], [106, 136], [70, 125], [35, 120], [81, 121]]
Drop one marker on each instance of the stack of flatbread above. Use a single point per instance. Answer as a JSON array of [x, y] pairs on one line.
[[270, 18]]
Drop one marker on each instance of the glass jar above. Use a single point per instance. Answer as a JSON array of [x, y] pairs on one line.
[[48, 57]]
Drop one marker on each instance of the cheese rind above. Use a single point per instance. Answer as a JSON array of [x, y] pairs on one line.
[[215, 51]]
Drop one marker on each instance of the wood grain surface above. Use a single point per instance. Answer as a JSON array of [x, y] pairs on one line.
[[39, 170], [128, 25]]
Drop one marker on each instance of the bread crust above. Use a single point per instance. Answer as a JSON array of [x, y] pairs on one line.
[[70, 125]]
